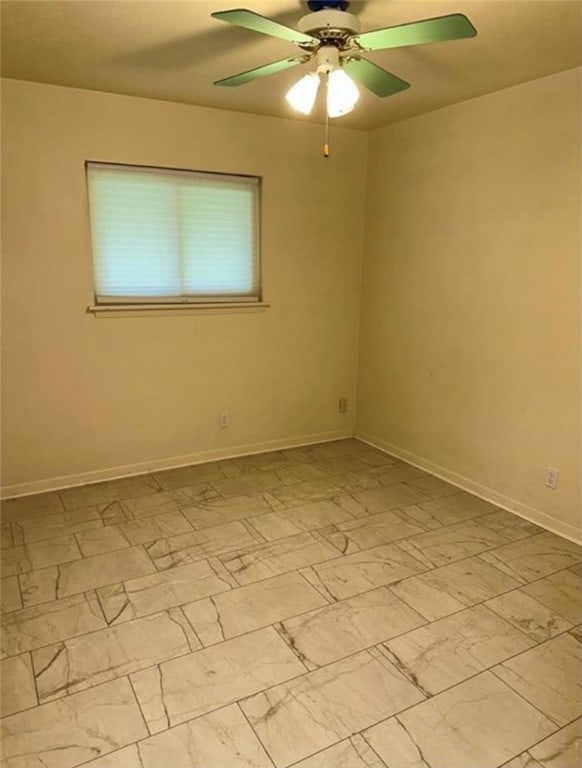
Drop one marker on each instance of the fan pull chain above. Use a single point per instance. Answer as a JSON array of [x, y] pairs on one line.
[[326, 142]]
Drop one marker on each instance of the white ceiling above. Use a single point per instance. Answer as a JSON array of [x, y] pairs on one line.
[[173, 50]]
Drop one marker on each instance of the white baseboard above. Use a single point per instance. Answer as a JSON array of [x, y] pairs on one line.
[[466, 484], [157, 465]]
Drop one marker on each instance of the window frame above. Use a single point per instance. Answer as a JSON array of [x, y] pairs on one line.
[[210, 303]]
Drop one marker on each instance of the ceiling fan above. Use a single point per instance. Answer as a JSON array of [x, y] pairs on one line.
[[332, 36]]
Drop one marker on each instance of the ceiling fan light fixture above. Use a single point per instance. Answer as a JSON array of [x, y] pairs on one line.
[[301, 96], [342, 93]]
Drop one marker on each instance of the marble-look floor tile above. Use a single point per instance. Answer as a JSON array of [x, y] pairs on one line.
[[304, 517], [362, 571], [255, 482], [315, 490], [100, 540], [577, 632], [149, 529], [452, 649], [388, 497], [111, 513], [265, 560], [200, 545], [50, 623], [405, 473], [364, 479], [549, 676], [248, 608], [157, 503], [457, 508], [416, 515], [368, 532], [10, 594], [511, 526], [62, 549], [128, 757], [228, 469], [73, 730], [528, 614], [113, 490], [525, 760], [190, 495], [256, 462], [183, 476], [327, 706], [560, 592], [349, 446], [455, 542], [308, 470], [340, 465], [31, 506], [391, 741], [352, 753], [89, 660], [15, 560], [434, 487], [219, 511], [333, 632], [346, 501], [223, 739], [38, 587], [577, 569], [376, 459], [562, 749], [536, 556], [6, 536], [83, 575], [16, 534], [480, 723], [158, 592], [298, 455], [18, 690], [453, 587], [59, 524], [193, 685]]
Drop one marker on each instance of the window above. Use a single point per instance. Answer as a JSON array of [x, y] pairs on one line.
[[165, 236]]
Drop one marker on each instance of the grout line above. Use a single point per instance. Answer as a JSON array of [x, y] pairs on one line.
[[34, 679], [378, 759], [141, 712], [193, 628], [258, 738], [521, 695]]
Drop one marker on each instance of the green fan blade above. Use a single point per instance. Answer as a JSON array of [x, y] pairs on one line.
[[250, 20], [374, 78], [266, 69], [437, 30]]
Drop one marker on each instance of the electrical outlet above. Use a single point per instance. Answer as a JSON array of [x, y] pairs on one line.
[[552, 477], [343, 405], [224, 419]]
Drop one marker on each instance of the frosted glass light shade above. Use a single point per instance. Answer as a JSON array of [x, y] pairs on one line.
[[301, 96], [342, 94]]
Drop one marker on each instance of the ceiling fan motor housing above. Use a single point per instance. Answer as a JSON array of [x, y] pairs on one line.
[[331, 26]]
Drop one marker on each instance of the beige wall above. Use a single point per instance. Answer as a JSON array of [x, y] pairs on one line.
[[470, 323], [81, 395]]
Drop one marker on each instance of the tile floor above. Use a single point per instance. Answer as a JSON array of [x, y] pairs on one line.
[[320, 607]]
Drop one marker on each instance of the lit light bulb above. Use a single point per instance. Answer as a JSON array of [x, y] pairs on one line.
[[342, 93], [301, 96]]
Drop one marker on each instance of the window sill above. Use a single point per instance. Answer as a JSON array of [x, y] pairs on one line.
[[147, 310]]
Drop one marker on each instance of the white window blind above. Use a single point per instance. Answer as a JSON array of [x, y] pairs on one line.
[[165, 236]]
